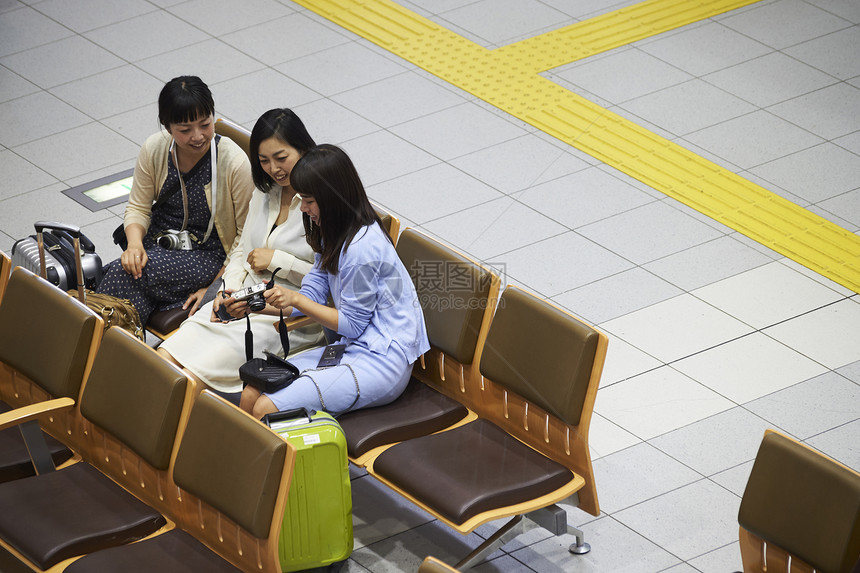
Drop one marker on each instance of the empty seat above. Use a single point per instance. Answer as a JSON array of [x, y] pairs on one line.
[[47, 341], [458, 296], [230, 501], [130, 410], [528, 450], [799, 506], [47, 345]]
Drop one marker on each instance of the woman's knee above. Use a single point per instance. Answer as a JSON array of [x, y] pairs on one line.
[[263, 406]]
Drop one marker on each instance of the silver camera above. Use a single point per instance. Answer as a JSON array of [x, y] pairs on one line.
[[254, 295], [176, 240]]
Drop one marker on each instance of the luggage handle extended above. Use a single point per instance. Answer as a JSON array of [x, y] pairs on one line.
[[75, 232]]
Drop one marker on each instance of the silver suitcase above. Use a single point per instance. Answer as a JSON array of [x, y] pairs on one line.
[[59, 241]]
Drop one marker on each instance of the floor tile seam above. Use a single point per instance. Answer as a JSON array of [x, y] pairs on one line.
[[699, 474], [733, 544], [775, 426], [220, 39], [847, 25], [123, 62], [26, 7], [631, 16], [807, 95], [62, 182], [154, 8], [673, 363], [632, 376], [819, 434], [376, 83], [793, 253], [758, 106], [40, 169], [219, 35], [621, 272], [92, 121], [836, 79], [522, 564], [737, 219], [698, 479], [647, 539], [578, 229]]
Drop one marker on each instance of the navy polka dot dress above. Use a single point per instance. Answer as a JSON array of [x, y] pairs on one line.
[[171, 275]]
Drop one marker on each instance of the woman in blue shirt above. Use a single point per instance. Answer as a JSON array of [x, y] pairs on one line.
[[376, 311]]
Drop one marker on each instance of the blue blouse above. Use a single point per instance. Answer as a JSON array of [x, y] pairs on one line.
[[374, 295]]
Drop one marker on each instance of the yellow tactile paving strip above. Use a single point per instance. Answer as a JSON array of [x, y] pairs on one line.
[[508, 77]]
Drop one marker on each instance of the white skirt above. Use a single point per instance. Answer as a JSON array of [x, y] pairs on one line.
[[214, 351]]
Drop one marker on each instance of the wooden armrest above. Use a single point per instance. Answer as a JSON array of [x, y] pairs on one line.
[[33, 411], [296, 322]]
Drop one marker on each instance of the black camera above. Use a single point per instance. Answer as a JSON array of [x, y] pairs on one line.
[[254, 295], [175, 240]]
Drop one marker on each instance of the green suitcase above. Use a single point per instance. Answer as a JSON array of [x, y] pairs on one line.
[[317, 528]]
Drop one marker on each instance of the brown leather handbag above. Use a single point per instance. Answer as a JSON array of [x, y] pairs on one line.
[[114, 311]]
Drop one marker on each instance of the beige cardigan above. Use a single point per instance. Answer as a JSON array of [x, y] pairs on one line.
[[235, 187]]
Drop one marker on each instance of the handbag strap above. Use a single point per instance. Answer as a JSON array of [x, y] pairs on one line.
[[282, 328]]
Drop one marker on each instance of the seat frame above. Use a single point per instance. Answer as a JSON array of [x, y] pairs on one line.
[[437, 370], [157, 488], [34, 407], [758, 555], [531, 425]]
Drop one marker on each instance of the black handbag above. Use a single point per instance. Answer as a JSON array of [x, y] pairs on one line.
[[271, 373]]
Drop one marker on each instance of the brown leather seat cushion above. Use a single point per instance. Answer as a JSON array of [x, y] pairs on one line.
[[71, 512], [165, 321], [471, 469], [173, 552], [419, 411], [15, 460]]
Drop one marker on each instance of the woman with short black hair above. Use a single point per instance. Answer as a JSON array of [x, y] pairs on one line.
[[186, 208]]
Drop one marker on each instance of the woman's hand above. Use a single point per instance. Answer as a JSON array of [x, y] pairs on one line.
[[194, 299], [280, 297], [235, 308], [260, 259], [133, 260]]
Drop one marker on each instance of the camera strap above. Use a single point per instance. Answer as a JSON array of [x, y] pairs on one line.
[[282, 328], [213, 153]]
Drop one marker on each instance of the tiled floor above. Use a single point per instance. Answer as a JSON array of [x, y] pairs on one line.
[[713, 337]]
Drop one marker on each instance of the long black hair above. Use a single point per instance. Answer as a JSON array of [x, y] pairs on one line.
[[284, 125], [184, 99], [327, 174]]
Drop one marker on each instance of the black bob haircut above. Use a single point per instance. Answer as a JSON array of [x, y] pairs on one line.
[[184, 99], [284, 125]]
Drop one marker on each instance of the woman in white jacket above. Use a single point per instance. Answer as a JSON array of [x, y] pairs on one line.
[[211, 349]]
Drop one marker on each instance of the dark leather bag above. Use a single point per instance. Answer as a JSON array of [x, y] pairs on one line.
[[271, 373]]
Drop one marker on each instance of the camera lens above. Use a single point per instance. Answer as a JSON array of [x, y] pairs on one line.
[[257, 302], [168, 242]]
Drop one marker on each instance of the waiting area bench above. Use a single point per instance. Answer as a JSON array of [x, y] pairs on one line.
[[495, 423], [169, 478]]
